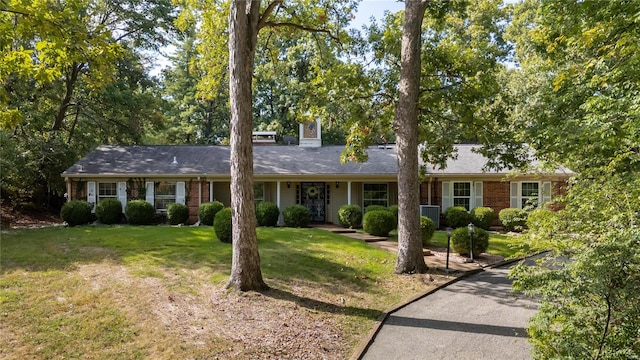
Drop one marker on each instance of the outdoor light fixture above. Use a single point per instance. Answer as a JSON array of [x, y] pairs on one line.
[[337, 185], [471, 230], [288, 184], [449, 233]]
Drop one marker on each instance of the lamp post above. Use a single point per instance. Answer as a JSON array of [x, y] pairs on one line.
[[471, 230], [449, 233]]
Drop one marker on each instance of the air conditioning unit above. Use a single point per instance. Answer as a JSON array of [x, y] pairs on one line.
[[432, 212]]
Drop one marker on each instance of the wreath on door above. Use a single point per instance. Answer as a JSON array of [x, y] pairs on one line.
[[312, 191]]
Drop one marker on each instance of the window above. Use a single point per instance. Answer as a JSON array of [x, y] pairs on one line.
[[530, 194], [462, 194], [165, 194], [107, 190], [258, 192], [375, 194]]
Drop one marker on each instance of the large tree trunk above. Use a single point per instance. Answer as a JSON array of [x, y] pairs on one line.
[[243, 33], [410, 257]]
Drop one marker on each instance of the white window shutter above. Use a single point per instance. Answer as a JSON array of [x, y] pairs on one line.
[[150, 195], [91, 194], [546, 193], [515, 190], [122, 193], [477, 193], [446, 195], [180, 192]]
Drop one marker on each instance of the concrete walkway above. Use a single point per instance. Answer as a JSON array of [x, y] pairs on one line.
[[475, 318]]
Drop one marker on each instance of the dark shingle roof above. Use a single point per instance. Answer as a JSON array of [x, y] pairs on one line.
[[209, 160], [214, 160]]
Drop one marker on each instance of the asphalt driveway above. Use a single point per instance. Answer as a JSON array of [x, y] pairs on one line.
[[475, 318]]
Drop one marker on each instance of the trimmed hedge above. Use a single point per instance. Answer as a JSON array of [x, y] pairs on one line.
[[139, 212], [457, 216], [513, 219], [267, 214], [223, 225], [378, 222], [207, 212], [394, 211], [76, 212], [177, 213], [375, 208], [350, 216], [460, 241], [482, 217], [109, 211], [427, 228], [296, 216]]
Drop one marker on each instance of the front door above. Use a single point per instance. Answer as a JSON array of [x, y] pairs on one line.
[[313, 197]]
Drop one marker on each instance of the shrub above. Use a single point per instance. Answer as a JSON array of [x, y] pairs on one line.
[[541, 218], [296, 216], [207, 211], [177, 213], [350, 216], [267, 214], [139, 212], [427, 228], [513, 219], [375, 208], [457, 216], [460, 241], [76, 212], [394, 211], [482, 217], [378, 222], [109, 211], [223, 226]]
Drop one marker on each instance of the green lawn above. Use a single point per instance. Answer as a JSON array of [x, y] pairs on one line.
[[499, 244], [156, 292]]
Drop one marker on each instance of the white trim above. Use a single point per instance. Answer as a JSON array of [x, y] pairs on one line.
[[149, 195], [122, 193], [91, 194], [447, 198], [180, 193], [514, 191], [477, 195]]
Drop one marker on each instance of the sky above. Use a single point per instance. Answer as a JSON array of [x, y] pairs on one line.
[[366, 9]]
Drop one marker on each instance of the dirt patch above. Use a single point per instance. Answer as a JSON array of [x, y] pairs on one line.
[[11, 218], [186, 315]]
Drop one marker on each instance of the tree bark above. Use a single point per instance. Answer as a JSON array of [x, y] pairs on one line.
[[410, 257], [243, 34]]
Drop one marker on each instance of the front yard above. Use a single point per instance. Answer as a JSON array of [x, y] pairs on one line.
[[157, 292]]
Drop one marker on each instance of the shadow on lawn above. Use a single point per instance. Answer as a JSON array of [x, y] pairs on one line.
[[289, 254], [321, 306]]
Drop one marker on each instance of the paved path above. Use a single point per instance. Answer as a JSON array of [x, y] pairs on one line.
[[475, 318]]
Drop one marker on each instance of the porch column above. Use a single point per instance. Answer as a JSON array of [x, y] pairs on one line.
[[348, 192], [278, 194], [199, 191], [210, 191]]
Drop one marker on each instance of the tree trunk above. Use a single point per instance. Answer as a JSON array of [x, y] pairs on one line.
[[243, 33], [410, 257]]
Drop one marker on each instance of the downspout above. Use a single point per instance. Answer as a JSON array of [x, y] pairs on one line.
[[68, 183], [199, 191]]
